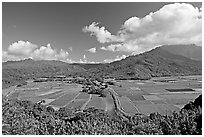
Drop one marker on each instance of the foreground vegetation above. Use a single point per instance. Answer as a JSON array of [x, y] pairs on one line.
[[24, 117]]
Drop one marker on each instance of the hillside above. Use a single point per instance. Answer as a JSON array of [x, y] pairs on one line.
[[190, 51], [88, 65], [154, 63], [14, 72], [158, 62]]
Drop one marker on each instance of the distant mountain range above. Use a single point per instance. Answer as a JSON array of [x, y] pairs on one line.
[[14, 72], [161, 61], [190, 51], [154, 63]]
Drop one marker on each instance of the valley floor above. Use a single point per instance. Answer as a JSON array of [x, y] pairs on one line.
[[163, 94]]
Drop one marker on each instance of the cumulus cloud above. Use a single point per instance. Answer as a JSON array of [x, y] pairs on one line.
[[21, 50], [6, 57], [92, 50], [115, 59], [101, 33], [177, 23]]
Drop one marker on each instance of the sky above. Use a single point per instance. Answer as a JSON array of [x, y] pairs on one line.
[[95, 32]]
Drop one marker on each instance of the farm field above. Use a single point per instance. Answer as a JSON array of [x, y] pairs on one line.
[[162, 95], [57, 95]]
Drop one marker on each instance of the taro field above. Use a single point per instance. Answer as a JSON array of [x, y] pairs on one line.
[[56, 94], [163, 95]]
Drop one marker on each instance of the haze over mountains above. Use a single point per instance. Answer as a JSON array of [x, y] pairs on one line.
[[161, 61], [190, 51]]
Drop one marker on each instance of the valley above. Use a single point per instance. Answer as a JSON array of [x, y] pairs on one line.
[[162, 94]]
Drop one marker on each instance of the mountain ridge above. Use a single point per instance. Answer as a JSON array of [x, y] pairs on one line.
[[154, 63]]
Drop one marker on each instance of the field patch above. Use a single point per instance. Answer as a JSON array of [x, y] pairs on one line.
[[77, 103], [57, 95], [178, 101], [127, 106], [96, 102], [83, 95], [158, 101], [152, 97], [63, 100], [50, 94], [14, 95], [153, 108], [180, 89], [34, 100], [134, 88], [8, 90], [155, 89], [188, 96], [137, 97], [142, 102]]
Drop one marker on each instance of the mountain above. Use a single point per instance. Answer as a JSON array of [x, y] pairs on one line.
[[157, 62], [190, 51], [88, 65], [161, 61], [14, 72]]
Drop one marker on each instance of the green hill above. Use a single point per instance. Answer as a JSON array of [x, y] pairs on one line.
[[14, 72], [154, 63]]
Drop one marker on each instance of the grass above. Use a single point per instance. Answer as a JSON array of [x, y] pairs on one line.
[[51, 94], [153, 108], [96, 102], [142, 102], [76, 104], [57, 95], [177, 101], [137, 97], [83, 96], [188, 96], [14, 95], [63, 100], [152, 97], [127, 106]]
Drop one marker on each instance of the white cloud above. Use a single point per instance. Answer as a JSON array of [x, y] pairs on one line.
[[6, 57], [21, 50], [84, 58], [101, 33], [115, 59], [92, 50], [177, 23]]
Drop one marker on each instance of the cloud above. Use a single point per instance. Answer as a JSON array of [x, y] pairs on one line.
[[6, 57], [115, 59], [21, 50], [177, 23], [92, 50], [101, 33]]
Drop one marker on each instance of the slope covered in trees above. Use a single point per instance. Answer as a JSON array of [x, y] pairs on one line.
[[15, 72], [154, 63]]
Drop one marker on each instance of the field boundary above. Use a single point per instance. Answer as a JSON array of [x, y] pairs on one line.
[[83, 107]]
